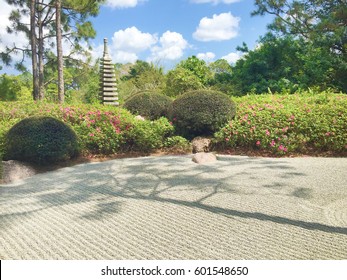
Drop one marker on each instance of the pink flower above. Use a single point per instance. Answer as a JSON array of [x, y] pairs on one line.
[[258, 143], [91, 134], [227, 139], [267, 132], [327, 134], [272, 143], [282, 148]]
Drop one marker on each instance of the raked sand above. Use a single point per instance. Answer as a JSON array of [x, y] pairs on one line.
[[171, 208]]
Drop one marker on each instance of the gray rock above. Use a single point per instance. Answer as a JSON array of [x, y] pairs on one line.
[[201, 144], [203, 158], [13, 170]]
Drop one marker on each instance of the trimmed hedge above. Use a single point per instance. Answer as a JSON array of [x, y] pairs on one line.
[[150, 105], [307, 123], [201, 112], [40, 140]]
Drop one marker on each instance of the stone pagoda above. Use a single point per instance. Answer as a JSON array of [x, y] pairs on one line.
[[108, 85]]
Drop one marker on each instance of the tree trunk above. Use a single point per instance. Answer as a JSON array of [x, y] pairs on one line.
[[34, 50], [59, 52], [41, 60]]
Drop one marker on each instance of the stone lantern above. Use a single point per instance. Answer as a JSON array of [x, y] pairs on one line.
[[108, 85]]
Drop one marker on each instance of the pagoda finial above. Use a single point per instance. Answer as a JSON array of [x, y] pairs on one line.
[[106, 54]]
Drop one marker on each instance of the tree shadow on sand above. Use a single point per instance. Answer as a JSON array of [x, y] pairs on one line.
[[172, 180]]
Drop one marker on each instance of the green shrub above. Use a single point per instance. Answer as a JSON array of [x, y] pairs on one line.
[[282, 124], [201, 112], [178, 144], [40, 140], [150, 105], [146, 136]]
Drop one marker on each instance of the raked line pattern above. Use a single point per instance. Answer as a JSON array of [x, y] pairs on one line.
[[171, 208]]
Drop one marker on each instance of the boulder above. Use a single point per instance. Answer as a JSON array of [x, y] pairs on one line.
[[13, 170], [201, 144], [202, 158]]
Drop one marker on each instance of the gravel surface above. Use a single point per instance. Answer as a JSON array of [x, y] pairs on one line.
[[171, 208]]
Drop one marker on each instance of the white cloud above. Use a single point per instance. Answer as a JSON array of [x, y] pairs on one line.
[[126, 46], [206, 56], [123, 3], [218, 28], [232, 57], [215, 2], [133, 40], [172, 46], [124, 57]]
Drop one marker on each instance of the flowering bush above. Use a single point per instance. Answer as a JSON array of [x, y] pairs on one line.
[[279, 124], [288, 123], [100, 129]]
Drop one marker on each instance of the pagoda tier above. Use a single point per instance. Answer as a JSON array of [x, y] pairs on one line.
[[108, 86]]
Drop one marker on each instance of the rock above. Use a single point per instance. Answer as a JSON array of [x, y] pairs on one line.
[[140, 118], [13, 170], [201, 144], [202, 158]]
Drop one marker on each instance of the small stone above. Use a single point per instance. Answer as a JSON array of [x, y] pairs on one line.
[[139, 118], [202, 158], [13, 170], [201, 144]]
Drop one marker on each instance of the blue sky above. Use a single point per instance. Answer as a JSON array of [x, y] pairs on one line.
[[168, 31]]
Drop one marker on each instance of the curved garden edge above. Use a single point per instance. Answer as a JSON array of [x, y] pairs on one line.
[[167, 152]]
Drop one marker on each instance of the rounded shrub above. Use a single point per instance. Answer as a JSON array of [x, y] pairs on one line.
[[40, 140], [150, 105], [146, 136], [201, 112]]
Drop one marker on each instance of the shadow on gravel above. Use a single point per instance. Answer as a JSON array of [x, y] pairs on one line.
[[108, 185]]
